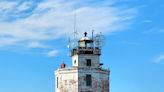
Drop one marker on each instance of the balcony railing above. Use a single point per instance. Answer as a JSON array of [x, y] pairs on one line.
[[88, 50]]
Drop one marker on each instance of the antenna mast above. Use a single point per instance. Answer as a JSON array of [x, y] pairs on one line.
[[74, 19], [69, 43], [92, 34], [75, 29]]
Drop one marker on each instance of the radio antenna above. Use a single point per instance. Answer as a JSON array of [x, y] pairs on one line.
[[99, 40], [92, 34], [74, 19], [75, 28], [69, 43]]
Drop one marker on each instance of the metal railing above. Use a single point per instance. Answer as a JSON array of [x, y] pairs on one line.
[[88, 50]]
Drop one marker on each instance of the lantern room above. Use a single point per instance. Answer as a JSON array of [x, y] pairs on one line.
[[85, 42]]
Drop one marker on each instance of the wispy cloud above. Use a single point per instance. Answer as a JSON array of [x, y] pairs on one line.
[[7, 6], [161, 30], [37, 45], [52, 53], [24, 6], [159, 59], [131, 43], [154, 30], [36, 22], [147, 21]]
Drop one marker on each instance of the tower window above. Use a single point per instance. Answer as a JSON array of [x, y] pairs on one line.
[[57, 82], [88, 80], [74, 61], [88, 62]]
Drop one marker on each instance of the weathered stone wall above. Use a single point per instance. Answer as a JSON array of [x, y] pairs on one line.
[[67, 80], [74, 80], [100, 80], [81, 60]]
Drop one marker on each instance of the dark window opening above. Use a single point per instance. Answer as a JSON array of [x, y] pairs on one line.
[[88, 62], [74, 61], [57, 82], [88, 80], [88, 52]]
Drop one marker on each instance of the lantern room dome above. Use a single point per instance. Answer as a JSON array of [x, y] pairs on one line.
[[85, 38]]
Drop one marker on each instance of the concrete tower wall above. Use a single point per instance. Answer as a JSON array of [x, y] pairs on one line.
[[100, 80], [80, 60], [74, 80], [66, 80]]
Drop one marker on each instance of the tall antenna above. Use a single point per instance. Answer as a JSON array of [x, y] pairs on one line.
[[69, 43], [75, 29], [69, 46], [74, 20], [75, 38], [92, 34]]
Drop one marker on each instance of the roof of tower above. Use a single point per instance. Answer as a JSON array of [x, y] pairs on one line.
[[85, 37]]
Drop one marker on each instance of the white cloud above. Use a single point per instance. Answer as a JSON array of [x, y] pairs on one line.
[[131, 43], [159, 59], [154, 30], [161, 30], [7, 41], [147, 21], [37, 45], [52, 53], [7, 6], [24, 6], [52, 19]]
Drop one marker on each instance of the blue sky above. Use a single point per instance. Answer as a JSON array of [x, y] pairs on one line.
[[34, 37]]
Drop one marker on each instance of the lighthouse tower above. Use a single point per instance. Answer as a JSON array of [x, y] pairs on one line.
[[86, 73]]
